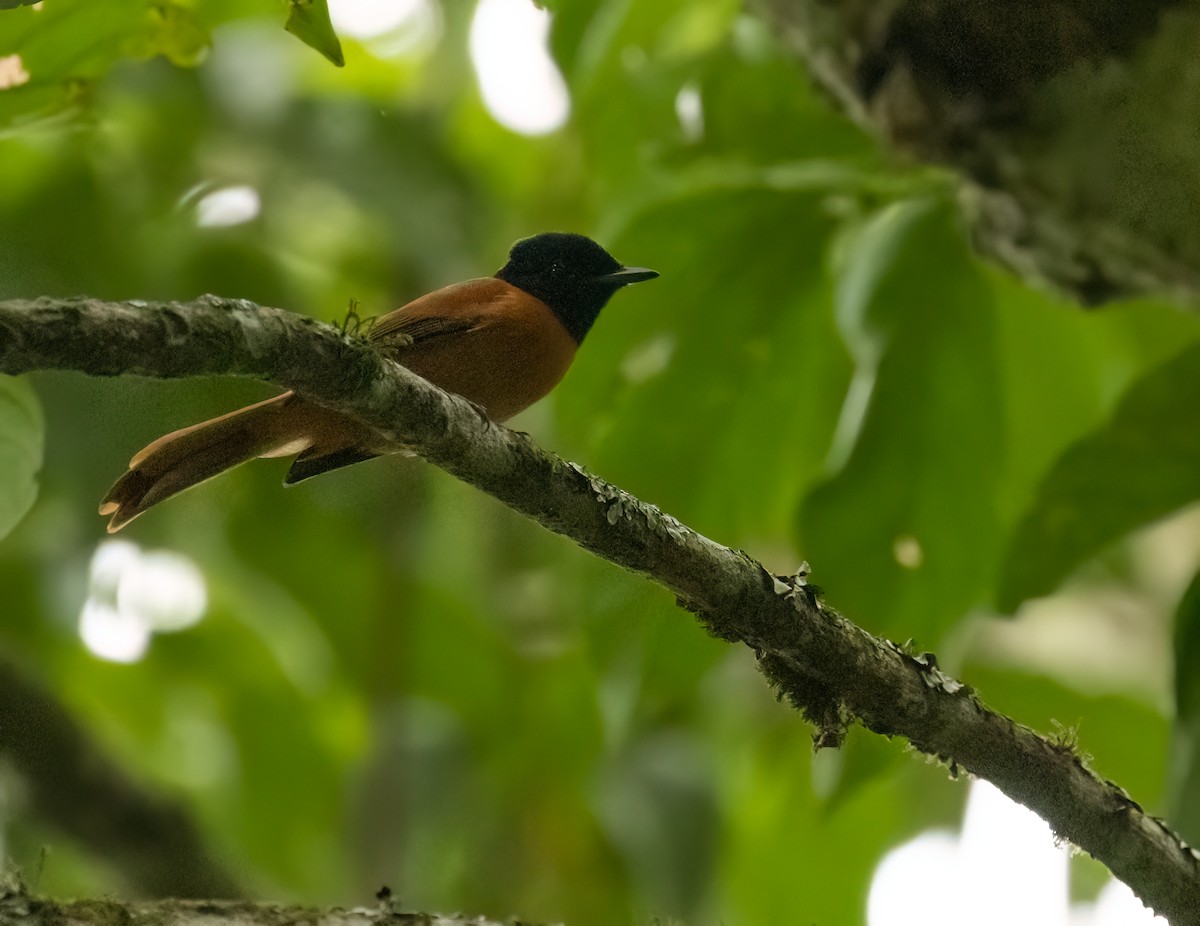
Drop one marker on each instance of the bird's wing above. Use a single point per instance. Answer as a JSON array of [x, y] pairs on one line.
[[451, 310], [398, 330]]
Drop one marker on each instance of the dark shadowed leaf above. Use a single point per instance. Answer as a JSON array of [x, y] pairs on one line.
[[1185, 746], [1142, 464], [905, 528]]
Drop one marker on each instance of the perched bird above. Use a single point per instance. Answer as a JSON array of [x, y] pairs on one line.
[[503, 342]]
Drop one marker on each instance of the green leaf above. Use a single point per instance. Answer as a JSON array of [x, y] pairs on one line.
[[21, 435], [713, 389], [309, 22], [770, 868], [174, 32], [1184, 784], [906, 528], [62, 47], [657, 804], [863, 759], [1143, 464]]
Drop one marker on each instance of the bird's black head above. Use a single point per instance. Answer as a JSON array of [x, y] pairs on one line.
[[571, 274]]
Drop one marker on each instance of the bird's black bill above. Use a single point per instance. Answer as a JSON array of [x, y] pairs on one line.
[[628, 275]]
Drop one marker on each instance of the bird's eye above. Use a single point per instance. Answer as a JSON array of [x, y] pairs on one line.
[[556, 267]]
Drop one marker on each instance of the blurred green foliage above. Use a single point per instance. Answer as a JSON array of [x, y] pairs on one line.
[[22, 431], [1140, 465], [1185, 762], [399, 681], [309, 22]]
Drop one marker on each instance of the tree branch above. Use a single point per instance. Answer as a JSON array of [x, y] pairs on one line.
[[19, 909], [830, 669]]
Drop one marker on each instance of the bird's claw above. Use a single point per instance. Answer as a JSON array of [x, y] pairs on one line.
[[482, 413], [397, 340]]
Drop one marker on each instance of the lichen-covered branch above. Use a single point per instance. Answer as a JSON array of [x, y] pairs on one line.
[[830, 669], [18, 909]]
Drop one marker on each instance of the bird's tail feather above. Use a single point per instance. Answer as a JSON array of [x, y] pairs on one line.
[[191, 455]]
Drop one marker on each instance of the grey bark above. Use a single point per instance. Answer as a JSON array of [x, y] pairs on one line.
[[834, 672]]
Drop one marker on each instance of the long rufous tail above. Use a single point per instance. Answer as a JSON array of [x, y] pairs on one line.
[[277, 427]]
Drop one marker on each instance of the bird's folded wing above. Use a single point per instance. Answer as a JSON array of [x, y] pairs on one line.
[[398, 330]]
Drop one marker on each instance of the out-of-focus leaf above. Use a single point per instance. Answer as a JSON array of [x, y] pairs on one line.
[[861, 759], [713, 391], [784, 851], [21, 434], [174, 32], [1143, 464], [309, 22], [62, 46], [1184, 782], [13, 4], [658, 807], [1056, 364], [757, 106], [1064, 372], [569, 29], [906, 528]]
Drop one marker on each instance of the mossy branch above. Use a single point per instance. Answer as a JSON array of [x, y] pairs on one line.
[[19, 909]]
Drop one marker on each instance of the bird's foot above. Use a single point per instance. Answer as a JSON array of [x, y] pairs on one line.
[[482, 413], [396, 340]]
